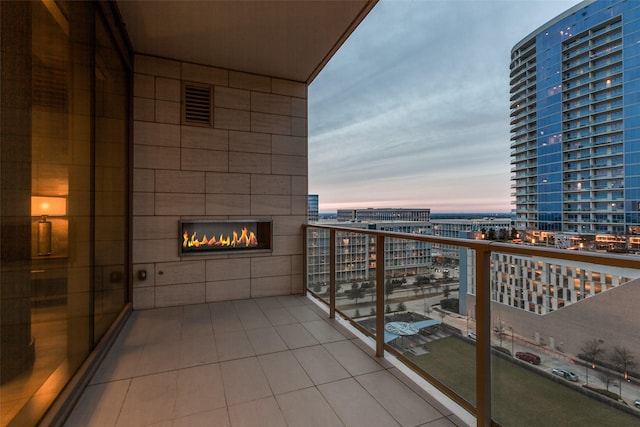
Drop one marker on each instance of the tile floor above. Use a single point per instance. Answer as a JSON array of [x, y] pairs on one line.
[[276, 361]]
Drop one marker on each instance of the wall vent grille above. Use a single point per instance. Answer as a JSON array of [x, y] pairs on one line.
[[197, 105]]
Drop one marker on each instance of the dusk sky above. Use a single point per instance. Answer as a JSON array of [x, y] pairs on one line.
[[413, 110]]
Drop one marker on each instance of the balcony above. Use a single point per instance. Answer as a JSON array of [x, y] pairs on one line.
[[319, 359], [279, 360]]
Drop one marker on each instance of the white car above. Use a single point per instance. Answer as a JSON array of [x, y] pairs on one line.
[[472, 335], [565, 374], [636, 403]]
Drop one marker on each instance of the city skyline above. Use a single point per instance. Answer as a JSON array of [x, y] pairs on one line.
[[418, 115]]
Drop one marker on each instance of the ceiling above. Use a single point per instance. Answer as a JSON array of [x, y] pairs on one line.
[[286, 39]]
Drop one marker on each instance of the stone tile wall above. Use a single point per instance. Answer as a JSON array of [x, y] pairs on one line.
[[251, 164]]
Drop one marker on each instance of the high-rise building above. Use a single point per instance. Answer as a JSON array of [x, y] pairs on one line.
[[575, 126], [312, 208]]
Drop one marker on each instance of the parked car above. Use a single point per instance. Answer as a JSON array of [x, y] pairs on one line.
[[528, 357], [472, 335], [636, 403], [568, 375]]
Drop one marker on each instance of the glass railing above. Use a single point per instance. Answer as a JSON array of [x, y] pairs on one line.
[[515, 334]]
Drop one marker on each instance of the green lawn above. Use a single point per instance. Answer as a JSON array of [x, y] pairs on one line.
[[520, 397]]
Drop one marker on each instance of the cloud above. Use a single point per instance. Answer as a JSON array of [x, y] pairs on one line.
[[414, 108]]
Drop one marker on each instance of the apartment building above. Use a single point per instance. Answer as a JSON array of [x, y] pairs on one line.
[[383, 214], [356, 253], [574, 126], [312, 208]]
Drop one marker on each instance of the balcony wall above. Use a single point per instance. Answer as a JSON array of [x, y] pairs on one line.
[[250, 164]]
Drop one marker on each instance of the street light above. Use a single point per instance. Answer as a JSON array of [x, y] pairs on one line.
[[511, 329]]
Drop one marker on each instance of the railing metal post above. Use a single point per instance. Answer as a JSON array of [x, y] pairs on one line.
[[380, 296], [332, 274], [483, 336], [305, 260]]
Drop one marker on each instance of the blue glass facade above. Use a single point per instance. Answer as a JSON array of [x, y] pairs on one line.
[[575, 123]]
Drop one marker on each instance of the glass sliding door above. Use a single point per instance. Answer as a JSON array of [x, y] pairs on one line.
[[63, 197]]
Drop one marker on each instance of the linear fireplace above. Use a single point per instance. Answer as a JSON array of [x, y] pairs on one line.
[[208, 237]]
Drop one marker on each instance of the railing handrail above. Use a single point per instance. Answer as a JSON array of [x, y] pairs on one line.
[[616, 260]]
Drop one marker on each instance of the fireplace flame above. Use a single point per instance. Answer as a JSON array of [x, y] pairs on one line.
[[246, 239]]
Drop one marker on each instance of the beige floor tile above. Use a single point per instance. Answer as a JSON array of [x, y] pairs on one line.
[[323, 331], [257, 413], [279, 316], [303, 313], [295, 336], [135, 331], [307, 408], [320, 365], [292, 300], [352, 358], [405, 406], [167, 326], [420, 391], [224, 317], [341, 328], [121, 362], [355, 406], [215, 418], [158, 357], [197, 350], [196, 320], [250, 314], [268, 303], [199, 389], [149, 400], [283, 372], [265, 340], [372, 352], [244, 381], [233, 345], [99, 405]]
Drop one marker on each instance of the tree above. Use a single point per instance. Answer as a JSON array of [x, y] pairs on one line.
[[606, 377], [388, 309], [623, 359], [446, 292], [372, 312], [436, 286], [592, 350], [514, 234], [401, 307], [357, 313], [491, 234], [388, 289], [368, 288], [356, 292]]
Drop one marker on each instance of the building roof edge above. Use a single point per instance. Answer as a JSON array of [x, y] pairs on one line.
[[541, 28]]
